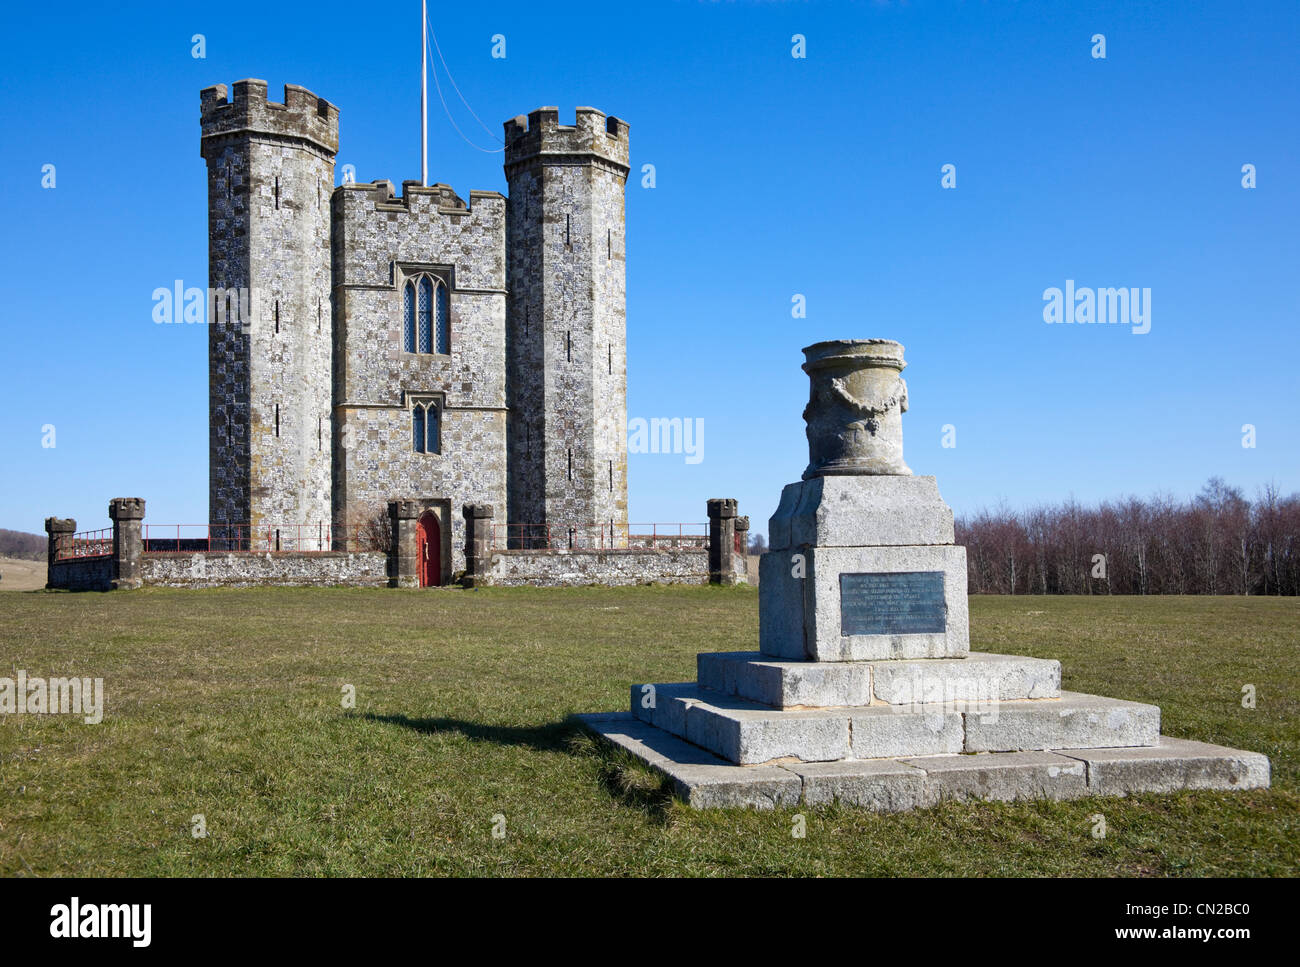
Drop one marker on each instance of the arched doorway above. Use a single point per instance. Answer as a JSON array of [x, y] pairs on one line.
[[428, 550]]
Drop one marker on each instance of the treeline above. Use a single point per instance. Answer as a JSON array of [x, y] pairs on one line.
[[31, 547], [1216, 543]]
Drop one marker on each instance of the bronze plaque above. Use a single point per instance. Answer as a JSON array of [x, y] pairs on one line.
[[893, 603]]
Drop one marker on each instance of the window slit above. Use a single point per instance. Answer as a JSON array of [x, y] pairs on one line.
[[570, 463], [277, 192], [277, 419], [277, 315]]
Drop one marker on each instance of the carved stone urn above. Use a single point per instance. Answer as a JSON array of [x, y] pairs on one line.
[[855, 406]]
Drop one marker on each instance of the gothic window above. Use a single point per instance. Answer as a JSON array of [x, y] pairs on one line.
[[417, 427], [426, 425], [444, 320], [433, 429], [426, 315], [408, 317]]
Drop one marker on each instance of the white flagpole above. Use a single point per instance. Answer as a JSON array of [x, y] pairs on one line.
[[424, 93]]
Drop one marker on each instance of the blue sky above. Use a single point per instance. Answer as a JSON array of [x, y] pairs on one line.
[[775, 176]]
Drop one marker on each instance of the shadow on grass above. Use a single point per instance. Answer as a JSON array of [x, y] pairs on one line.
[[547, 738], [626, 779], [632, 786], [621, 775]]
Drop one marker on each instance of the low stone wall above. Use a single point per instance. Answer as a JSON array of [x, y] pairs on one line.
[[214, 569], [559, 568], [131, 564], [82, 574]]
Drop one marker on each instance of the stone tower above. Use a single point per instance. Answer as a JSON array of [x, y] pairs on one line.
[[270, 176], [566, 326]]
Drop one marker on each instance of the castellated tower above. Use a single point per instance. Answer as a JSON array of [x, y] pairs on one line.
[[566, 321], [270, 177]]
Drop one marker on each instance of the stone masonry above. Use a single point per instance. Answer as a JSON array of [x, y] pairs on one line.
[[89, 562], [864, 689], [313, 388], [567, 344], [270, 176], [381, 240]]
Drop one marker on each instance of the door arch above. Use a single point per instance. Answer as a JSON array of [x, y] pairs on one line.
[[428, 550]]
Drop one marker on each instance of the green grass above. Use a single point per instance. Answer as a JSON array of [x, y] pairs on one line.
[[227, 703]]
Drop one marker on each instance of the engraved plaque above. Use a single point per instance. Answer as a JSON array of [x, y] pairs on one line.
[[893, 603]]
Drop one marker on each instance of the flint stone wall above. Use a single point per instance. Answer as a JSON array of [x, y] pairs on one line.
[[82, 574], [381, 240], [616, 567], [214, 569]]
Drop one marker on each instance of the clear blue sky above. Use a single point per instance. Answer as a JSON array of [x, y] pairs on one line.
[[775, 176]]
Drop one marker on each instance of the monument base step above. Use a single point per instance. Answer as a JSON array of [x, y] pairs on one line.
[[748, 733], [979, 677], [705, 781]]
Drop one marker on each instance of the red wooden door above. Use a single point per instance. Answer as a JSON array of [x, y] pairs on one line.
[[428, 548]]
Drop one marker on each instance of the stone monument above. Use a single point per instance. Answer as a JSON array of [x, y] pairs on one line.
[[864, 688]]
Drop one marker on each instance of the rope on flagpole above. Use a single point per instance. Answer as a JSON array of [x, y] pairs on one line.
[[443, 100]]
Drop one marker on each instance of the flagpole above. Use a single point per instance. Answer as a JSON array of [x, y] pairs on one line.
[[424, 93]]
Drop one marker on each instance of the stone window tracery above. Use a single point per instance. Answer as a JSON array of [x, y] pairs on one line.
[[426, 425], [426, 315]]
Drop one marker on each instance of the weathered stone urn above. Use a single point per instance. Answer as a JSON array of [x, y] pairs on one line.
[[856, 401]]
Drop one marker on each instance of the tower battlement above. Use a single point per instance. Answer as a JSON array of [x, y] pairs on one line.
[[302, 116], [439, 198], [541, 133]]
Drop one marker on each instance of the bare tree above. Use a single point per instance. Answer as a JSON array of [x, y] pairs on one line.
[[1216, 543]]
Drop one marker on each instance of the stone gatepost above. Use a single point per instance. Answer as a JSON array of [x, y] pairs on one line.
[[742, 543], [722, 540], [478, 544], [128, 544], [60, 530], [402, 564]]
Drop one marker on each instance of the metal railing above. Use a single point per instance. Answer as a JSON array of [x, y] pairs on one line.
[[534, 537], [85, 544], [263, 539]]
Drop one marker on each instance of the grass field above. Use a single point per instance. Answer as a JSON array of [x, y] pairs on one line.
[[228, 704]]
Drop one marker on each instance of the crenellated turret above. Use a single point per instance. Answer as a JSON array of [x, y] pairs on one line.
[[270, 176], [566, 320]]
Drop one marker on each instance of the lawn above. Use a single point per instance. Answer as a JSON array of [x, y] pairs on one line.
[[229, 704]]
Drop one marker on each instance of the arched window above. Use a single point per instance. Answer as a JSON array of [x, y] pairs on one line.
[[417, 427], [425, 320], [408, 317], [444, 320], [426, 315], [426, 425], [433, 431]]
